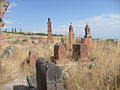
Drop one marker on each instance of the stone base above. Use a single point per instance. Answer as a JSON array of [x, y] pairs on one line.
[[88, 41], [80, 51]]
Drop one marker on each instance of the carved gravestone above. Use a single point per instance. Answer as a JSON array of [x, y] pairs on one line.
[[59, 51], [49, 76], [80, 51], [33, 56]]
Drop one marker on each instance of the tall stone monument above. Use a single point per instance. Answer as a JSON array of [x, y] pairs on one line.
[[87, 38], [3, 7], [49, 37], [71, 34]]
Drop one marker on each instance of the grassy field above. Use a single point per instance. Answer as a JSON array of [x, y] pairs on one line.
[[101, 74]]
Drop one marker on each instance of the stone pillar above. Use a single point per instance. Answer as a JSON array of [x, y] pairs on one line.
[[49, 37], [71, 34], [87, 38], [87, 32]]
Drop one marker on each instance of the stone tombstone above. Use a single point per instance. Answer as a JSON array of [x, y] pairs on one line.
[[49, 76], [33, 56], [49, 37], [80, 51], [59, 51]]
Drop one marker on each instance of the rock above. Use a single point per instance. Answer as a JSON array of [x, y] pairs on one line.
[[65, 75], [24, 83], [9, 51], [32, 81], [12, 85]]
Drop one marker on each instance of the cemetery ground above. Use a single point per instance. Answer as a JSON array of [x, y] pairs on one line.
[[103, 73]]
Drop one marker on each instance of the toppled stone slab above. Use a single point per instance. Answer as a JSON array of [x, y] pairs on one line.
[[32, 81], [11, 85], [9, 51], [23, 83]]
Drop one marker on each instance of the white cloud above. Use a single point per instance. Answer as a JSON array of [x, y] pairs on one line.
[[8, 22], [103, 26], [13, 4]]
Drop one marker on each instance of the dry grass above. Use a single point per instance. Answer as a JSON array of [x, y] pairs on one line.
[[98, 75], [102, 74]]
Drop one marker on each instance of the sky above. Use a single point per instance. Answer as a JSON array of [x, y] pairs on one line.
[[103, 16]]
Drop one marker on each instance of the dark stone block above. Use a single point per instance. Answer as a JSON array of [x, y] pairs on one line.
[[49, 76]]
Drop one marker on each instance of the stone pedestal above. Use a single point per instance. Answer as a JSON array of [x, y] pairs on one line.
[[88, 42], [80, 52]]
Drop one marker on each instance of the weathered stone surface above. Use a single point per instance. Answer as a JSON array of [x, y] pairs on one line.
[[49, 76], [21, 84], [87, 38], [59, 51], [9, 51], [89, 43], [87, 32], [49, 37], [11, 85], [71, 34], [80, 51], [32, 81], [33, 57]]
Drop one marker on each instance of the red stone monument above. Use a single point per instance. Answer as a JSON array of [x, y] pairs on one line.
[[59, 51], [33, 56], [80, 52], [49, 37], [87, 38], [71, 34]]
